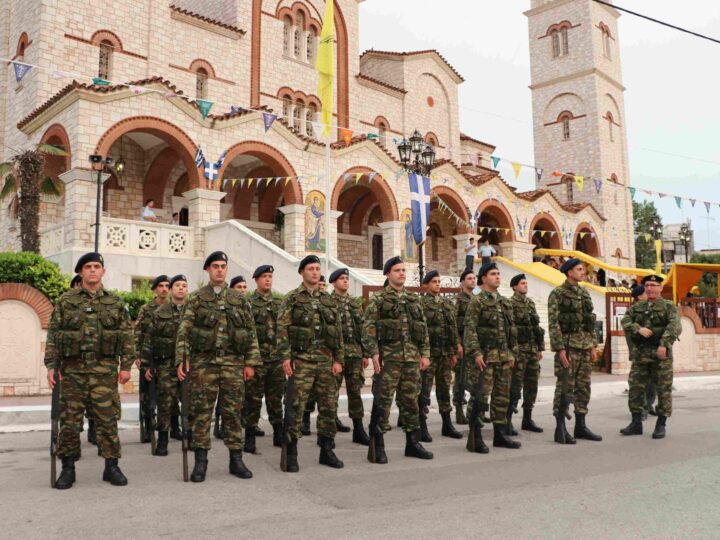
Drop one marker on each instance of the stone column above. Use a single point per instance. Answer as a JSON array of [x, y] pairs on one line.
[[333, 233], [392, 233], [518, 252], [203, 210], [294, 229], [80, 205]]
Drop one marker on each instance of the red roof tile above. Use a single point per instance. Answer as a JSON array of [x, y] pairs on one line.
[[208, 20], [464, 137], [381, 83], [415, 53]]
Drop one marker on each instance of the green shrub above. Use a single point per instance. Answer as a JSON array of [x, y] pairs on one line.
[[33, 270], [136, 298]]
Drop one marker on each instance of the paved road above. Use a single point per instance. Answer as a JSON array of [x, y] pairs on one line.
[[620, 488]]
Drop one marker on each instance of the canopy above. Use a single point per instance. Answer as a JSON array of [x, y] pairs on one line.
[[639, 272], [682, 277]]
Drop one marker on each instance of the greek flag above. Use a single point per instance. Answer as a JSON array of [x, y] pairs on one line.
[[221, 160], [211, 171], [419, 206], [199, 157]]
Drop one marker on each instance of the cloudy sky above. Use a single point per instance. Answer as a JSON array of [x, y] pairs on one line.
[[672, 105]]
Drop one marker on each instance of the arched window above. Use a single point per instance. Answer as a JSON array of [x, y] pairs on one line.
[[297, 116], [201, 83], [559, 37], [105, 60], [610, 126], [382, 129], [311, 48], [309, 119], [431, 139], [606, 37], [555, 37], [299, 31], [564, 41], [21, 51], [287, 109], [564, 120], [287, 34]]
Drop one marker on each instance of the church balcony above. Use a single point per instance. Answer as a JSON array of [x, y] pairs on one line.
[[146, 238]]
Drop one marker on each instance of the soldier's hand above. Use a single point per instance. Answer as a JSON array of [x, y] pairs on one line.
[[337, 368], [662, 352], [512, 363], [453, 361], [645, 332], [51, 377], [123, 377], [376, 363], [287, 367], [460, 350], [148, 375], [249, 373], [365, 362], [563, 358], [424, 363], [480, 361], [181, 374], [593, 354]]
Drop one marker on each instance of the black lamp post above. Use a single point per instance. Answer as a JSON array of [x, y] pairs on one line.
[[98, 163], [685, 238]]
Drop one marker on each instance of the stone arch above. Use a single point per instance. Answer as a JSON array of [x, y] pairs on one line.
[[590, 243], [30, 296], [200, 63], [379, 188], [158, 175], [22, 45], [566, 101], [451, 197], [544, 222], [107, 35], [497, 212], [274, 159], [56, 165]]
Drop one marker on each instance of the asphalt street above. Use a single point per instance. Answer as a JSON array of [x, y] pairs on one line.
[[620, 488]]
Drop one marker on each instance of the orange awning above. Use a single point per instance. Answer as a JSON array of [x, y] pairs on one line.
[[682, 277]]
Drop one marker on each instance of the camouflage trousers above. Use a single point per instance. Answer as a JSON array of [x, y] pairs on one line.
[[167, 395], [578, 380], [524, 380], [440, 371], [269, 381], [315, 376], [403, 378], [642, 373], [207, 382], [97, 389], [457, 371], [354, 376], [496, 388]]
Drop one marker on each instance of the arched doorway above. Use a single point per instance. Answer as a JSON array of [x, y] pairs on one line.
[[544, 232], [441, 247], [52, 209], [586, 240], [495, 225]]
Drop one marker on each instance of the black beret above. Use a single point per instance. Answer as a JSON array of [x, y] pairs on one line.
[[322, 278], [179, 277], [390, 263], [653, 277], [517, 279], [310, 259], [214, 257], [339, 272], [569, 265], [264, 269], [75, 281], [88, 258], [429, 276], [158, 280], [465, 274], [386, 283], [485, 268], [237, 279], [637, 291]]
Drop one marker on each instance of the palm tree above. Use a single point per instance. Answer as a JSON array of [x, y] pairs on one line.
[[22, 183]]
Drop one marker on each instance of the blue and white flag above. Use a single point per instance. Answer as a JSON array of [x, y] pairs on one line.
[[221, 160], [419, 206], [199, 157], [20, 70], [211, 171]]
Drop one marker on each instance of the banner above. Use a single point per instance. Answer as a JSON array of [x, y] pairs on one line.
[[268, 120], [325, 65], [205, 107], [658, 256], [516, 167], [20, 71], [346, 135]]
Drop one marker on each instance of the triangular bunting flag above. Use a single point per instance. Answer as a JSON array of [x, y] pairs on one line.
[[346, 135], [661, 195], [678, 201], [317, 129], [598, 184], [346, 177], [582, 235], [97, 81], [20, 70], [371, 176], [288, 179], [692, 202], [277, 180], [268, 120], [552, 233], [555, 173], [169, 95], [358, 177], [495, 161], [516, 167], [242, 183], [373, 136], [592, 235], [538, 174], [580, 181], [205, 107], [707, 207], [234, 182], [268, 180], [137, 90], [632, 192]]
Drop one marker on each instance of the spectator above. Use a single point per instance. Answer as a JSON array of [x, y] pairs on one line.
[[175, 220], [612, 284], [553, 264], [147, 213], [601, 277], [470, 253], [625, 284], [487, 251]]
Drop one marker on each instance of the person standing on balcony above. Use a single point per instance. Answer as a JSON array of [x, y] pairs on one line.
[[487, 251], [147, 213], [471, 251]]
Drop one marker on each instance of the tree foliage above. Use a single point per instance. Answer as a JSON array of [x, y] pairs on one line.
[[33, 270], [708, 282], [644, 217]]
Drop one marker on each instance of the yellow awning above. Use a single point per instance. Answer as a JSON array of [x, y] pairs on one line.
[[682, 277]]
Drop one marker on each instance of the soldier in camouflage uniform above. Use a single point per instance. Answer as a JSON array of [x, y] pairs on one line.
[[269, 378], [217, 338], [158, 357], [571, 324], [395, 327], [468, 281], [356, 359], [309, 341], [491, 341], [88, 336], [531, 344], [444, 348], [653, 326]]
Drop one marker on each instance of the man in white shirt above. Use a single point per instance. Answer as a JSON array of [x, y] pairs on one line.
[[470, 254], [487, 251], [147, 213]]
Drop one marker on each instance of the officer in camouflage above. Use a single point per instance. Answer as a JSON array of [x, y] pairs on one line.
[[239, 284], [491, 341], [310, 344], [88, 336], [217, 337], [394, 320], [444, 348], [159, 352], [531, 344], [571, 324], [468, 280], [653, 326]]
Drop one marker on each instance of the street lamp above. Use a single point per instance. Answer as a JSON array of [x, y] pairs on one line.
[[685, 238], [657, 231], [98, 163]]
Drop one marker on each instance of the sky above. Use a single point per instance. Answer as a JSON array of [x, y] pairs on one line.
[[671, 102]]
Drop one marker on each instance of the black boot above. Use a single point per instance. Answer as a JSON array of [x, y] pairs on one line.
[[175, 428], [635, 427], [327, 456], [237, 467], [659, 432], [113, 474], [359, 435], [259, 432], [200, 468], [448, 430], [162, 444], [501, 440], [561, 433], [67, 475], [510, 431], [475, 442], [305, 426], [249, 441], [342, 428], [399, 422], [92, 434], [320, 442], [292, 455], [485, 419], [424, 433], [528, 424], [582, 431], [380, 455], [413, 448], [148, 429], [277, 435]]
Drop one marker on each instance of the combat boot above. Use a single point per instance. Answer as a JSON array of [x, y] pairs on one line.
[[485, 419], [510, 431], [635, 427], [476, 443], [249, 441], [162, 444], [342, 428], [424, 433], [277, 435], [319, 442], [582, 431], [659, 432], [292, 455], [327, 456], [528, 424], [501, 439], [561, 433], [175, 428], [237, 467], [92, 433], [359, 434], [380, 455], [413, 448], [67, 474], [258, 432], [148, 430], [305, 426], [448, 430], [113, 474], [200, 468]]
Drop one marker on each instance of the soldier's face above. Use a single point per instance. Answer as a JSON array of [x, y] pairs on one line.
[[242, 287], [469, 282], [342, 284], [433, 285], [92, 273], [162, 290], [264, 282], [397, 275], [179, 290], [311, 274], [492, 279], [322, 285], [578, 273], [217, 272], [653, 290], [522, 287]]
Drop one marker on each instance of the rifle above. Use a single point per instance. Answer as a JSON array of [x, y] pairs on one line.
[[186, 432], [565, 399], [376, 413], [54, 428], [288, 419], [459, 409], [152, 412], [479, 406], [141, 404]]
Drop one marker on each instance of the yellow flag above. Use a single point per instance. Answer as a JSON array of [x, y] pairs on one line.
[[358, 177], [325, 65], [580, 181], [658, 256], [517, 167]]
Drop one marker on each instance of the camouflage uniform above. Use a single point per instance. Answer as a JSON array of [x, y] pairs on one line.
[[142, 323], [394, 320], [309, 333], [351, 318], [443, 336], [217, 335], [531, 340], [660, 316], [462, 301], [88, 335]]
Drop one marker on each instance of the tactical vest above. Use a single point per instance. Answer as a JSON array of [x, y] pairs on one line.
[[462, 306], [164, 331], [265, 314], [351, 318], [304, 332], [576, 312], [653, 316], [493, 314], [393, 312], [438, 321], [204, 333], [109, 314]]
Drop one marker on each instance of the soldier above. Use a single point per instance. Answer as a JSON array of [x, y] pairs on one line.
[[217, 337], [88, 335], [444, 348], [571, 323], [491, 343], [395, 327], [322, 284], [653, 326], [468, 280], [356, 359], [269, 377], [158, 357], [531, 344], [239, 284]]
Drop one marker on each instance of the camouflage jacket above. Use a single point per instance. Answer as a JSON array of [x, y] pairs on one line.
[[571, 321], [394, 320], [158, 343], [309, 328], [462, 302], [88, 330], [442, 326], [490, 328], [660, 316], [142, 322], [530, 335], [217, 328], [351, 319], [266, 310]]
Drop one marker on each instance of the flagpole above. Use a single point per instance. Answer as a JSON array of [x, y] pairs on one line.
[[328, 207]]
